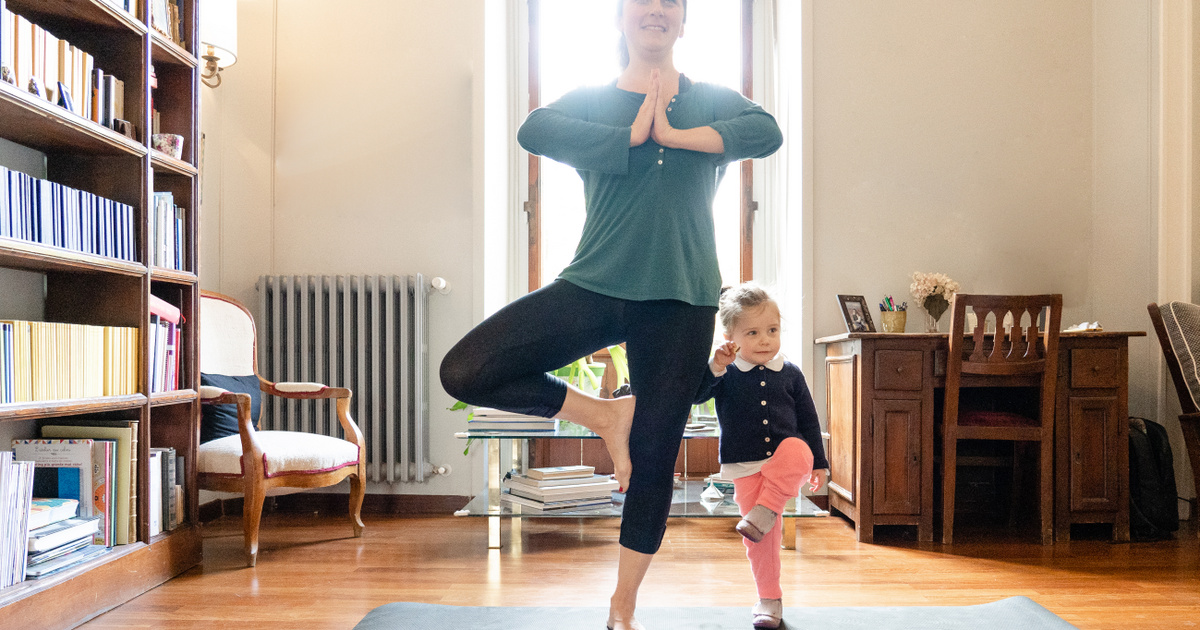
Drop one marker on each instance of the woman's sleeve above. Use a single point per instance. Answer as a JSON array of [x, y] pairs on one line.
[[747, 130], [808, 423], [708, 387], [563, 132]]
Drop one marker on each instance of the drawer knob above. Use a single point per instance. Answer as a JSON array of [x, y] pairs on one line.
[[1096, 369], [899, 370]]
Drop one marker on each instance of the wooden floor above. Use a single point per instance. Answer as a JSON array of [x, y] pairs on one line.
[[311, 574]]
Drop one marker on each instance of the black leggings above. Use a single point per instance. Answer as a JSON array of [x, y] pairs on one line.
[[503, 362]]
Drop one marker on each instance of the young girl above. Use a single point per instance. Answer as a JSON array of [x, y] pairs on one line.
[[770, 435]]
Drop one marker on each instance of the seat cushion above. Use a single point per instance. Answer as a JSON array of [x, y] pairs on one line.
[[1182, 321], [218, 421], [284, 452], [976, 418]]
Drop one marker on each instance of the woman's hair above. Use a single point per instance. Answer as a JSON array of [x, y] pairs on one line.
[[623, 46], [738, 299]]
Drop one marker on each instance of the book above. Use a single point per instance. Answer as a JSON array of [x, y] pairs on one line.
[[7, 47], [563, 493], [168, 487], [104, 465], [559, 472], [44, 511], [525, 480], [65, 561], [155, 503], [63, 469], [62, 532], [61, 550], [568, 505], [545, 424], [493, 413], [124, 492]]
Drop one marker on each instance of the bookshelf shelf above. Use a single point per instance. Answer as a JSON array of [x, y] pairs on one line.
[[176, 397], [81, 288], [163, 162], [17, 254], [38, 124], [32, 587], [72, 407], [166, 51], [105, 582], [173, 275], [74, 14]]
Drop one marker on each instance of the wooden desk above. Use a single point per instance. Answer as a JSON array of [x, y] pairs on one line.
[[882, 389]]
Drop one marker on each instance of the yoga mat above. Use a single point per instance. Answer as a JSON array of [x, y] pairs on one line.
[[1013, 613]]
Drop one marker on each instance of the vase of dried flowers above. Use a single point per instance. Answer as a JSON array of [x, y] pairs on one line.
[[933, 292]]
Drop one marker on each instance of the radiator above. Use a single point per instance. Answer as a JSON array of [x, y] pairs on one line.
[[367, 333]]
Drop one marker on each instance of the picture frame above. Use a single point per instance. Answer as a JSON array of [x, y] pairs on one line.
[[856, 314]]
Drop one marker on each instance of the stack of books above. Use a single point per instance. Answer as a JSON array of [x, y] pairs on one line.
[[489, 419], [559, 488], [62, 545]]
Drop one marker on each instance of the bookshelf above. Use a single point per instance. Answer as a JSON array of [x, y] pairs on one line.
[[102, 290]]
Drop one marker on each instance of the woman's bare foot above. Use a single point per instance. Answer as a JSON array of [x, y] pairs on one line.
[[611, 420], [617, 439], [620, 617]]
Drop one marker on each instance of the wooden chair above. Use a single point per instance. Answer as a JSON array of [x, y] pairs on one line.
[[257, 463], [1178, 328], [1024, 356]]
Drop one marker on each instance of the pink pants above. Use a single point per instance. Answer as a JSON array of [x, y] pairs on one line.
[[771, 487]]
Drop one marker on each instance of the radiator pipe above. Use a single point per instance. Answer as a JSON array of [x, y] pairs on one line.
[[429, 469], [440, 284]]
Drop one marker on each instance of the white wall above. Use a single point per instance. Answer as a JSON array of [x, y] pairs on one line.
[[342, 141], [1007, 144]]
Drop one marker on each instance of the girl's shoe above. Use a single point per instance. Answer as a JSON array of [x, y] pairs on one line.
[[756, 523], [768, 613]]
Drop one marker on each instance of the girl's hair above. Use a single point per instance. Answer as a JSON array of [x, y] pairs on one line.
[[623, 46], [736, 300]]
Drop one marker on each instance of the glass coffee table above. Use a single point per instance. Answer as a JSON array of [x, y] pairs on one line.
[[509, 451]]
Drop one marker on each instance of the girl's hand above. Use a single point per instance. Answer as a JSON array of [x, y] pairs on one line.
[[724, 355], [640, 132], [816, 480]]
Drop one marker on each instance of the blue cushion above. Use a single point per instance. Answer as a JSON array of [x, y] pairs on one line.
[[218, 421]]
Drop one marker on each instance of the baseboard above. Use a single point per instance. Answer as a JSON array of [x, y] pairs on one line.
[[308, 502]]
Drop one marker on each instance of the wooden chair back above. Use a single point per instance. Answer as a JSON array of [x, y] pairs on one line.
[[1026, 352]]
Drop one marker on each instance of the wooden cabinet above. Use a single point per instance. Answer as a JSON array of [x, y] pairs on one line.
[[101, 290], [880, 420], [883, 394], [1092, 438]]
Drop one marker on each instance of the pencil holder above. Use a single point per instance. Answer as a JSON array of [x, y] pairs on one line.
[[893, 321]]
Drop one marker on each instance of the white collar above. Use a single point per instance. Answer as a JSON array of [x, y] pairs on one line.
[[774, 365]]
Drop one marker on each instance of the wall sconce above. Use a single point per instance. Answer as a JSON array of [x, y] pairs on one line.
[[218, 38]]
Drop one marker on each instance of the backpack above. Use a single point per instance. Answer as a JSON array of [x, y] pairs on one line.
[[1153, 498]]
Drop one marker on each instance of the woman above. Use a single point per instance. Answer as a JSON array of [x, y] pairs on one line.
[[651, 148]]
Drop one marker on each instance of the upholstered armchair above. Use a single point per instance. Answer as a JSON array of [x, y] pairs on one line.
[[234, 455], [1178, 327]]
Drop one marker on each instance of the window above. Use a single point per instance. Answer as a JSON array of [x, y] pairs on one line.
[[573, 43]]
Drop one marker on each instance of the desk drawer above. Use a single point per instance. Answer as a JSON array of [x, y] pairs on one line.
[[899, 370], [1095, 367]]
